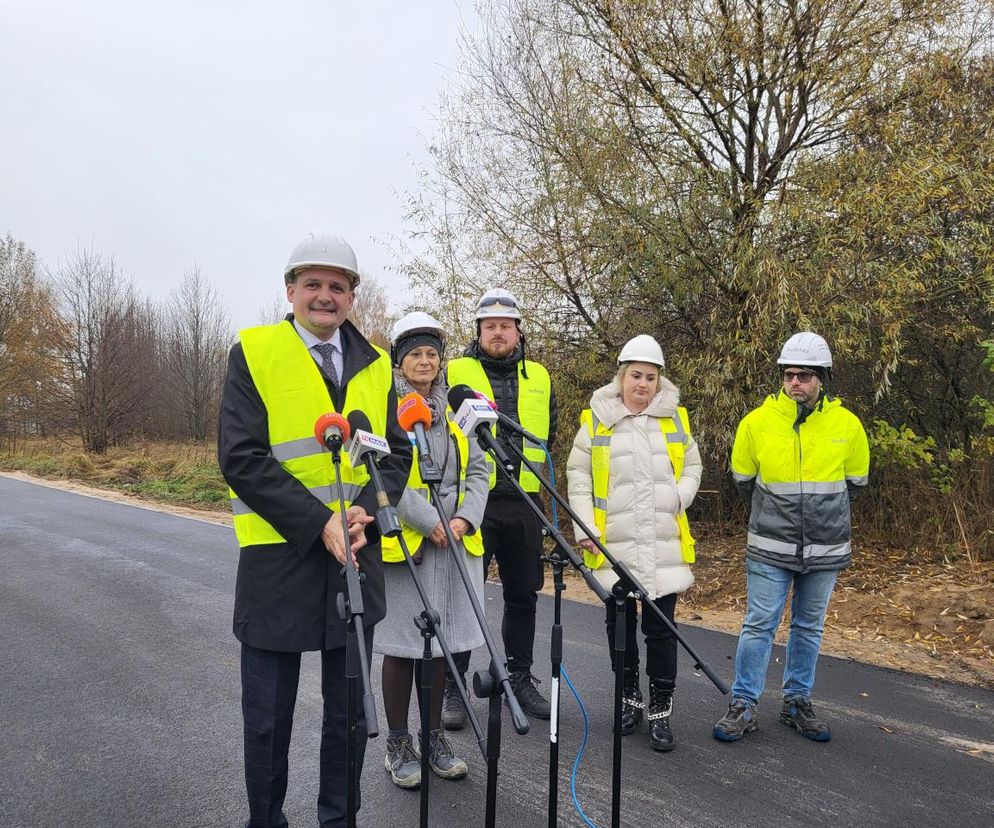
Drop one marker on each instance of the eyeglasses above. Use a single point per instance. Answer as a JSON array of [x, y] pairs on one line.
[[802, 377], [490, 301]]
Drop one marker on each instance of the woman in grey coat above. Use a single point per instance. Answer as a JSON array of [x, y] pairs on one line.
[[417, 352]]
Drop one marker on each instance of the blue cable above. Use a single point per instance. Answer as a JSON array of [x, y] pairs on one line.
[[579, 753], [565, 675]]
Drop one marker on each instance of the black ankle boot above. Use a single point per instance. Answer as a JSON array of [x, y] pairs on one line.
[[660, 707], [631, 703]]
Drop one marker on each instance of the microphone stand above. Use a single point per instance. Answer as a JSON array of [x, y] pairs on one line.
[[350, 609], [490, 684], [563, 554], [626, 585], [428, 623]]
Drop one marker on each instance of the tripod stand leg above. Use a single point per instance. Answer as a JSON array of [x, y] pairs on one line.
[[620, 643], [352, 693], [554, 696]]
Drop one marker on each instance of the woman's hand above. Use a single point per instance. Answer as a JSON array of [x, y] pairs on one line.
[[589, 546], [459, 526], [438, 537]]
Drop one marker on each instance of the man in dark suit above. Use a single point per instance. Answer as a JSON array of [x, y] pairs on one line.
[[286, 515]]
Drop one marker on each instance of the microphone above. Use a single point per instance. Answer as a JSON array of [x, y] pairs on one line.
[[331, 430], [474, 416], [365, 449], [414, 415], [508, 423]]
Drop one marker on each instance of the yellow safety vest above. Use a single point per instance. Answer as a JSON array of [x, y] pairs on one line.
[[392, 553], [292, 389], [534, 396], [677, 436]]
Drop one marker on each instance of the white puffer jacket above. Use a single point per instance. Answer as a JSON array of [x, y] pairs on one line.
[[643, 496]]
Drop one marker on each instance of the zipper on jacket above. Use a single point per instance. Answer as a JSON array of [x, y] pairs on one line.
[[800, 484]]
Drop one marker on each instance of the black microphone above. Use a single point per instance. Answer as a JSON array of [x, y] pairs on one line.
[[473, 416], [367, 448]]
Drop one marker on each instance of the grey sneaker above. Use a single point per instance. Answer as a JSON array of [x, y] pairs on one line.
[[453, 712], [532, 702], [442, 760], [799, 714], [737, 722], [403, 762]]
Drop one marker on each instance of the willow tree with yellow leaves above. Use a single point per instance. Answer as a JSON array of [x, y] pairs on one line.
[[717, 174]]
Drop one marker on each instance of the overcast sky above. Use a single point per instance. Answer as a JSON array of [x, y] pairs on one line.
[[213, 132]]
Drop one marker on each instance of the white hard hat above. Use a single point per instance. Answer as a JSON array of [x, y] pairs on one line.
[[642, 348], [416, 322], [323, 250], [406, 332], [498, 303], [806, 349]]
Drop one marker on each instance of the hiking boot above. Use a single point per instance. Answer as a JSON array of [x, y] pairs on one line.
[[443, 762], [799, 714], [453, 711], [737, 722], [532, 702], [631, 703], [403, 762], [660, 707]]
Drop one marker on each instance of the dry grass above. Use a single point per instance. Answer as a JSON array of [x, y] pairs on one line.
[[182, 473]]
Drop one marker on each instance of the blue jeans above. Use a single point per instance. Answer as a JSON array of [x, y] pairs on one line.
[[768, 586]]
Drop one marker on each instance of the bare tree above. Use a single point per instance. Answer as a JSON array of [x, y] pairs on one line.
[[17, 269], [195, 341], [105, 343], [275, 311], [371, 312]]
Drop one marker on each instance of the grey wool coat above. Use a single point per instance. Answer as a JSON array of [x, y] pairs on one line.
[[396, 634]]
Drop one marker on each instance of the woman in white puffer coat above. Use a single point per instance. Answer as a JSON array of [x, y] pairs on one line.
[[633, 470]]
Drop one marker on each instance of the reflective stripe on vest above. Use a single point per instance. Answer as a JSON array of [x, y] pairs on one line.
[[534, 397], [392, 553], [295, 395], [677, 435]]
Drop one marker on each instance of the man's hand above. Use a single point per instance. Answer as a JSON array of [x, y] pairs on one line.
[[332, 535], [459, 526], [590, 546]]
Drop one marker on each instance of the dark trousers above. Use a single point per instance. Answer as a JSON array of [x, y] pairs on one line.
[[660, 643], [269, 694], [512, 534]]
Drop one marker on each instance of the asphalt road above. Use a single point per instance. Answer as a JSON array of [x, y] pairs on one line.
[[119, 706]]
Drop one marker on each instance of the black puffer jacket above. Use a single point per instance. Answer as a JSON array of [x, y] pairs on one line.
[[503, 376]]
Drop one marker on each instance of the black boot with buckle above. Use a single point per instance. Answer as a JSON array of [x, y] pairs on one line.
[[631, 703], [660, 707]]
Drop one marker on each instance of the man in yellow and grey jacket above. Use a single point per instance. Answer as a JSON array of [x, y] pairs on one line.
[[798, 458]]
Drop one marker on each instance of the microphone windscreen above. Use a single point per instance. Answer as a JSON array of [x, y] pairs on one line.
[[458, 394], [358, 421], [331, 420], [412, 409]]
